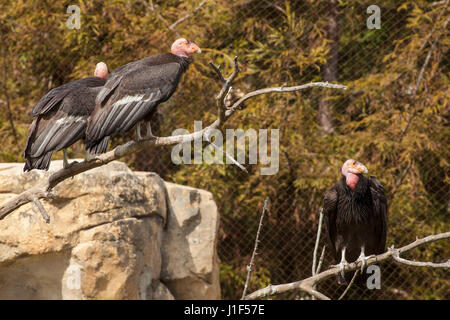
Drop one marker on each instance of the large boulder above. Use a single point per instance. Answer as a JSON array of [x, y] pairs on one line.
[[113, 234]]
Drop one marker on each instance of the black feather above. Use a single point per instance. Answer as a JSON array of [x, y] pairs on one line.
[[131, 94], [60, 119], [354, 218]]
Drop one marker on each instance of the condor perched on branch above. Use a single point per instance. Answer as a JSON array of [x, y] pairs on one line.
[[60, 118], [355, 211], [133, 92]]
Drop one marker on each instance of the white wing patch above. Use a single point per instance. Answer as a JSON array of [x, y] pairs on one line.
[[128, 99], [131, 99], [69, 120], [56, 132]]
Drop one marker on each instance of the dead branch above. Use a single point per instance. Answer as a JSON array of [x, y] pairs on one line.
[[349, 285], [41, 209], [307, 284], [322, 255], [249, 267], [173, 25], [316, 246], [397, 258], [42, 189]]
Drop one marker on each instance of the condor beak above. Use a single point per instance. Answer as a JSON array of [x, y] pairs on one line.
[[195, 48], [360, 168]]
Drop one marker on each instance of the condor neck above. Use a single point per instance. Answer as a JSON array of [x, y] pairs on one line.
[[355, 184], [351, 180], [184, 61]]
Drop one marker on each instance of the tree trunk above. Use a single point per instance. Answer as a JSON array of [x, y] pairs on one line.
[[329, 72]]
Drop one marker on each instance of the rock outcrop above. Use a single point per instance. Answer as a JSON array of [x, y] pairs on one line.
[[113, 234]]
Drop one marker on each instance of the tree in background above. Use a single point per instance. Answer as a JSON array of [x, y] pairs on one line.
[[394, 117]]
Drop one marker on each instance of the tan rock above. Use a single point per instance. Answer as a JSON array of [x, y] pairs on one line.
[[105, 237], [189, 269]]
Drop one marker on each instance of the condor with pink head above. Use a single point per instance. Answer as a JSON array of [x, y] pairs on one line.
[[60, 118], [133, 93], [355, 212]]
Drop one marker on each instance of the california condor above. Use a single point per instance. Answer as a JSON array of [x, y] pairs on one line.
[[60, 118], [133, 92], [355, 211]]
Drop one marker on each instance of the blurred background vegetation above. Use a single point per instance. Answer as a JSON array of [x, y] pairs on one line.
[[393, 118]]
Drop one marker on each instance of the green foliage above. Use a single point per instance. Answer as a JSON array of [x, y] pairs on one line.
[[402, 137], [233, 279]]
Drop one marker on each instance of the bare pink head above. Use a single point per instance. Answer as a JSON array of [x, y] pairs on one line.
[[101, 70], [184, 48], [350, 170]]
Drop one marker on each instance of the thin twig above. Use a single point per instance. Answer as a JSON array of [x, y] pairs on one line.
[[218, 72], [316, 246], [173, 25], [321, 259], [399, 181], [240, 166], [312, 291], [397, 258], [424, 43], [225, 89], [349, 285], [41, 208], [250, 266], [285, 89], [438, 3]]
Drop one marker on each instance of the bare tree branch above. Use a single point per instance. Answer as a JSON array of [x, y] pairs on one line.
[[226, 86], [219, 73], [399, 181], [322, 255], [307, 284], [349, 285], [173, 25], [284, 89], [437, 3], [249, 267], [397, 258], [41, 209], [316, 246], [42, 189]]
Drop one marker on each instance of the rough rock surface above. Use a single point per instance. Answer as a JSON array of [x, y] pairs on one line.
[[113, 234]]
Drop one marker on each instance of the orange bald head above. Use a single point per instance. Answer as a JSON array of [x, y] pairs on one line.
[[184, 48], [101, 70]]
